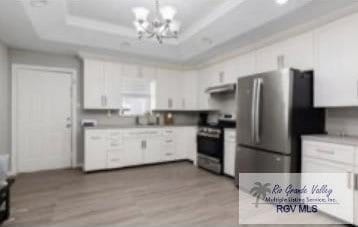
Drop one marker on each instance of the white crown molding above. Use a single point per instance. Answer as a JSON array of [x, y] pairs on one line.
[[201, 24]]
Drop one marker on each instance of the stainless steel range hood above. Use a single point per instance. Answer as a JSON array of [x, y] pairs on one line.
[[225, 88]]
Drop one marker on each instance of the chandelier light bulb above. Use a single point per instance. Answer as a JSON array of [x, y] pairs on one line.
[[281, 2], [168, 13], [175, 26], [141, 13]]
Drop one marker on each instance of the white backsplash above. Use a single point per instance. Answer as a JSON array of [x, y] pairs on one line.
[[342, 121]]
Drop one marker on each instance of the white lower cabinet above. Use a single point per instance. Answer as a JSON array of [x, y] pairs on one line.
[[152, 149], [324, 157], [95, 156], [132, 151], [116, 148], [229, 152]]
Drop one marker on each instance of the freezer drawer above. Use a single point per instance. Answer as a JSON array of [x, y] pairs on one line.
[[257, 161]]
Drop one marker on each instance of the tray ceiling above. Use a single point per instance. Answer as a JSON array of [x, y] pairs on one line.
[[105, 27]]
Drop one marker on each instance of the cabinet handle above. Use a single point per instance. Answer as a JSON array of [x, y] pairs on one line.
[[102, 100], [281, 62], [349, 176], [170, 103], [221, 77], [183, 103], [356, 182], [105, 100], [325, 151]]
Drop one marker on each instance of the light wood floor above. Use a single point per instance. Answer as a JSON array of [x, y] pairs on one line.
[[172, 194]]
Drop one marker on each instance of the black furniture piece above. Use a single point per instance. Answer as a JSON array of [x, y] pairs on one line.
[[5, 201]]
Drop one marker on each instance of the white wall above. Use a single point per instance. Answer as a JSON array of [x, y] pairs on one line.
[[5, 129]]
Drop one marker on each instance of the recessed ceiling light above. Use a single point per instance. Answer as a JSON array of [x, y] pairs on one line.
[[39, 3], [281, 2]]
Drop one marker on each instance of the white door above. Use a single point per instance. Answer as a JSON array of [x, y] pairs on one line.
[[43, 117]]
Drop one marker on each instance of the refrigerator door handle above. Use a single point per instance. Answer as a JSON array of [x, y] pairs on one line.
[[253, 111], [259, 84]]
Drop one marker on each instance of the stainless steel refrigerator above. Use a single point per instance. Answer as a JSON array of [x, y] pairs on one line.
[[274, 110]]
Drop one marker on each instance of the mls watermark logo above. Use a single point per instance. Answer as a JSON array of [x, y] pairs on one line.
[[292, 198], [288, 198], [260, 191]]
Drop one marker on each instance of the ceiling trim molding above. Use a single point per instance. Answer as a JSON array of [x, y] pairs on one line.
[[201, 24]]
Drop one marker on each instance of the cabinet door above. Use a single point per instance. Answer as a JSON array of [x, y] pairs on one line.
[[188, 95], [299, 52], [336, 71], [246, 65], [267, 59], [203, 83], [94, 84], [232, 69], [152, 150], [167, 90], [95, 155], [133, 150], [113, 73], [343, 210], [229, 158]]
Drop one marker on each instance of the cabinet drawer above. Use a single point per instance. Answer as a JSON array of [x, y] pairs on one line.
[[329, 151], [168, 132], [115, 159], [169, 156]]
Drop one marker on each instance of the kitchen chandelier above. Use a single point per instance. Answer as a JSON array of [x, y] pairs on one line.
[[163, 26]]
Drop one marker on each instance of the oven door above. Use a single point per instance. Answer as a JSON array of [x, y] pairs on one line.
[[210, 147]]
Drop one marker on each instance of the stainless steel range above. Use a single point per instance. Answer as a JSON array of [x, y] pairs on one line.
[[210, 148]]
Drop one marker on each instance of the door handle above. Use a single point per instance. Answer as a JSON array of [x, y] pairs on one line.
[[356, 182], [253, 110], [258, 110]]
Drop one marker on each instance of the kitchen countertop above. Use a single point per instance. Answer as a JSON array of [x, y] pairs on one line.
[[346, 140], [136, 126]]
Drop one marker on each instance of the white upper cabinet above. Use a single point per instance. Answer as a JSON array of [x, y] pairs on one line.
[[203, 83], [113, 77], [296, 52], [299, 52], [269, 58], [188, 83], [245, 65], [166, 90], [336, 71], [94, 84], [102, 85]]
